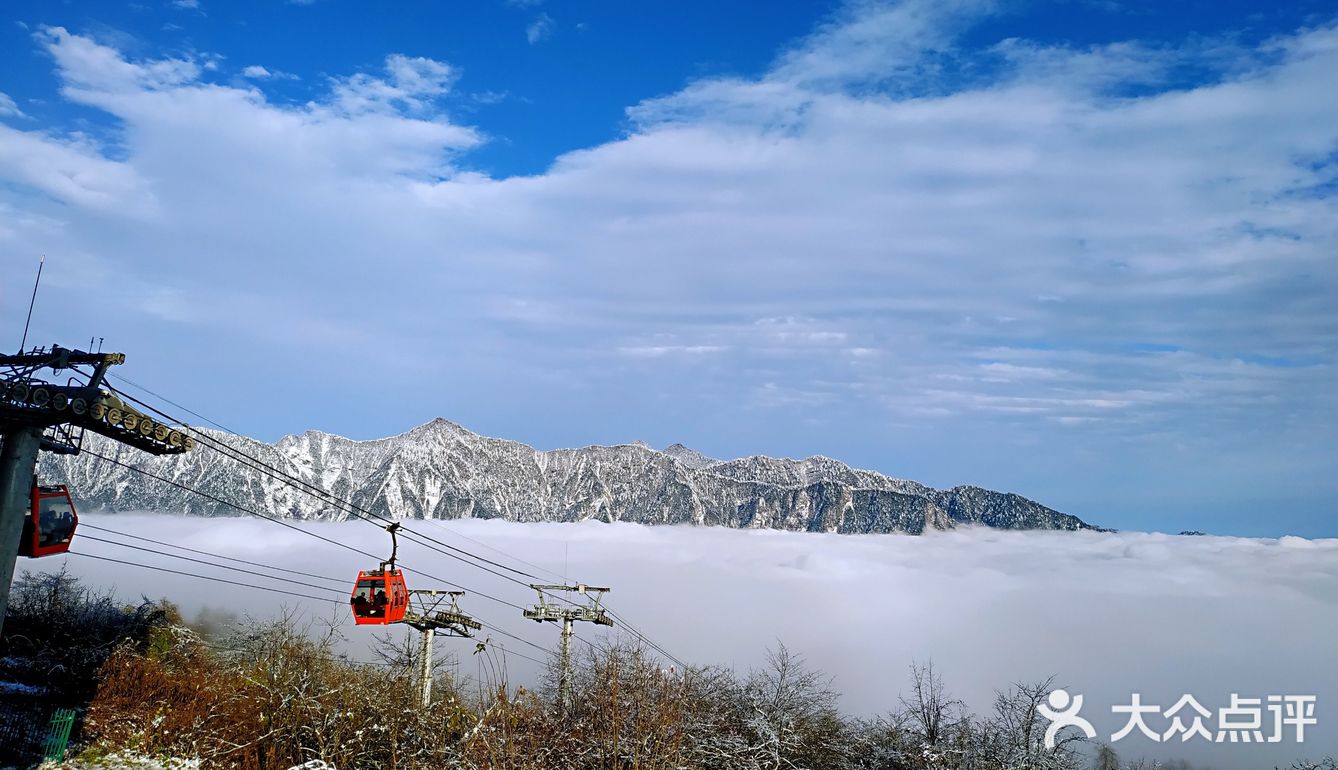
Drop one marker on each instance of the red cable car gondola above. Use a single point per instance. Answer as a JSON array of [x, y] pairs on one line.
[[380, 596], [49, 526]]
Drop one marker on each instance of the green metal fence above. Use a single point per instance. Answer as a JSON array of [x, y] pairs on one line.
[[58, 735]]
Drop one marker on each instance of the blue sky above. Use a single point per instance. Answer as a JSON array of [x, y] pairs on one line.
[[1082, 251]]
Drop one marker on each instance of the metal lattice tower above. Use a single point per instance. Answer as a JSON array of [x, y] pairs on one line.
[[546, 611], [432, 613], [41, 415]]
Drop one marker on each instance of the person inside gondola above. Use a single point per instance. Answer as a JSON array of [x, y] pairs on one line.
[[46, 529], [361, 606], [380, 602]]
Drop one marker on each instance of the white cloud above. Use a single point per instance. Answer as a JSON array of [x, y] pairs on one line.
[[413, 83], [73, 170], [1010, 372], [90, 70], [790, 331], [655, 351], [540, 29], [872, 41], [1109, 614], [258, 72], [489, 97], [8, 108]]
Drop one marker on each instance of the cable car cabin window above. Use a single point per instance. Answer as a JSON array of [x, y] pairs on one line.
[[50, 524], [56, 522]]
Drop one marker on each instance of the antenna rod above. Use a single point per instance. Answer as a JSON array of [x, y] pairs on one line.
[[31, 302]]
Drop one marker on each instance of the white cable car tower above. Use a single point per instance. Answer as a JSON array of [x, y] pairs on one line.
[[548, 612]]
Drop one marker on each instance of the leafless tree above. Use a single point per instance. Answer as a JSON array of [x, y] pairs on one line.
[[1016, 734], [929, 711]]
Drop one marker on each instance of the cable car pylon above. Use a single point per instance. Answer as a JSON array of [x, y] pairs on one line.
[[433, 613], [38, 414], [548, 612]]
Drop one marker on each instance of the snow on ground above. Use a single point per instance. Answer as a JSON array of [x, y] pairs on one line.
[[19, 688], [1109, 614], [122, 760]]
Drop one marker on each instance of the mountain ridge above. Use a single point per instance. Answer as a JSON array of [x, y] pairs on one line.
[[442, 470]]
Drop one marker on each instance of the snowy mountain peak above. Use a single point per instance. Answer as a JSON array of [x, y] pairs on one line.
[[441, 426], [689, 457]]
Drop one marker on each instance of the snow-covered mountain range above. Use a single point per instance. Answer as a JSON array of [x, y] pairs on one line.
[[443, 471]]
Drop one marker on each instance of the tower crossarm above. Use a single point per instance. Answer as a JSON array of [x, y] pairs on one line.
[[440, 611], [545, 611], [27, 400], [58, 358]]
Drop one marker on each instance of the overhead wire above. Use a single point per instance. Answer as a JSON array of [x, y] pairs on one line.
[[86, 525], [161, 397], [281, 522], [352, 509], [221, 501], [82, 554], [201, 577], [494, 549], [212, 564], [486, 625]]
